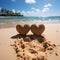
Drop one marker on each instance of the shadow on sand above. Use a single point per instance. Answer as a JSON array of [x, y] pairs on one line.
[[31, 37]]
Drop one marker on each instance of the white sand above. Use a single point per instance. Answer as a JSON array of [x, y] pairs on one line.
[[51, 33]]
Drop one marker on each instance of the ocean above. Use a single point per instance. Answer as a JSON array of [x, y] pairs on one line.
[[13, 21]]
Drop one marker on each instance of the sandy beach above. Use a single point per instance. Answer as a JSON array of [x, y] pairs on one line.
[[51, 33]]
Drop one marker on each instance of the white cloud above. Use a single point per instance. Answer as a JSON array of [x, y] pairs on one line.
[[30, 1], [13, 0], [0, 8], [45, 10], [13, 10], [24, 13], [37, 12], [32, 12], [48, 5]]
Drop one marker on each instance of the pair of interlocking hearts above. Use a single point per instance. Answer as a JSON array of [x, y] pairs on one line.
[[37, 30]]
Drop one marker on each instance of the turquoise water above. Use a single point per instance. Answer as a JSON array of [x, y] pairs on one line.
[[31, 18], [13, 21]]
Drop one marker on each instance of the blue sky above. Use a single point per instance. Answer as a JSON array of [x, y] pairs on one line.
[[33, 7]]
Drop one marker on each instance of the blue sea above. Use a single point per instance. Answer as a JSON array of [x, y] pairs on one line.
[[13, 21]]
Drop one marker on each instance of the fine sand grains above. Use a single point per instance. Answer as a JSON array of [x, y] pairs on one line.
[[27, 49], [32, 47]]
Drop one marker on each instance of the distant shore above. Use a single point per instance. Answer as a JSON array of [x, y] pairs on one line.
[[2, 16], [9, 16]]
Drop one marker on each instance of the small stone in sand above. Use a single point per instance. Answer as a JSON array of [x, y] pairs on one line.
[[50, 48], [56, 54], [32, 51], [22, 46]]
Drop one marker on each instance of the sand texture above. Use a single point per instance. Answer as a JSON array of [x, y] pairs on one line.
[[14, 46]]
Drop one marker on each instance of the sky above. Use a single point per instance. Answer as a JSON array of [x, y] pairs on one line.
[[33, 7]]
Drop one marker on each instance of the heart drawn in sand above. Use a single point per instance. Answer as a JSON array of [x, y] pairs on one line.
[[37, 30], [23, 30]]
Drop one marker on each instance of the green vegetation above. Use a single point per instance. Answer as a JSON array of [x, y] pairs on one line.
[[5, 12]]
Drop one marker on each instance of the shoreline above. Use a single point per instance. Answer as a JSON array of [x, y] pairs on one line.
[[13, 23], [9, 16], [5, 16]]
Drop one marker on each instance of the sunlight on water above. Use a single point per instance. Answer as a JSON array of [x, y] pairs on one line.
[[13, 21]]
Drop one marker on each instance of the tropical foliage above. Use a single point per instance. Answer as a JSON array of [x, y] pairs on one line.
[[5, 12]]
